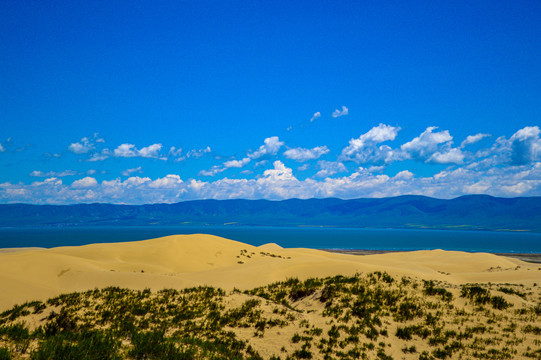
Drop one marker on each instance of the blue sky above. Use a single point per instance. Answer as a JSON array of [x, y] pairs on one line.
[[143, 102]]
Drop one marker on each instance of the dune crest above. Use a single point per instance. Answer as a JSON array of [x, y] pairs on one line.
[[190, 260], [270, 246]]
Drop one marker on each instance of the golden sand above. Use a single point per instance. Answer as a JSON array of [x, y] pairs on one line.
[[190, 260]]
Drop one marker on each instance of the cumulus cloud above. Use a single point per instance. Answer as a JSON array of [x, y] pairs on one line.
[[100, 156], [451, 156], [365, 150], [84, 183], [317, 115], [128, 172], [522, 148], [85, 144], [168, 181], [50, 181], [279, 173], [38, 173], [81, 147], [404, 175], [329, 168], [337, 113], [176, 153], [152, 151], [525, 145], [133, 181], [212, 171], [129, 150], [511, 166], [270, 146], [280, 183], [472, 139], [425, 145], [237, 163], [2, 149], [302, 154], [197, 153]]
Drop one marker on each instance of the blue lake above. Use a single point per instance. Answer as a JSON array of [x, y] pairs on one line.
[[316, 238]]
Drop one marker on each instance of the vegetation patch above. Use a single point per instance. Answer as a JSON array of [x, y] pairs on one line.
[[368, 316]]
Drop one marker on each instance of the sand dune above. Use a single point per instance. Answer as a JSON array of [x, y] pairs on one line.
[[191, 260]]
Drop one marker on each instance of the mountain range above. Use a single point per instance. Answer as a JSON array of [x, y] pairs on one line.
[[472, 212]]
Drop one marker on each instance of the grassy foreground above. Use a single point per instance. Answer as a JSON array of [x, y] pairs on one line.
[[367, 316]]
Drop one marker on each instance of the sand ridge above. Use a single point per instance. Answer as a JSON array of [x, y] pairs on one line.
[[181, 261]]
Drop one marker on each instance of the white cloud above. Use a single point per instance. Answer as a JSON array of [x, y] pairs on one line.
[[226, 165], [84, 183], [511, 166], [176, 153], [337, 113], [129, 150], [279, 183], [49, 181], [329, 168], [194, 153], [168, 181], [302, 154], [472, 139], [475, 188], [317, 115], [270, 146], [425, 145], [100, 156], [404, 175], [522, 148], [452, 156], [80, 148], [212, 171], [152, 151], [280, 172], [2, 149], [136, 181], [237, 163], [376, 169], [38, 173], [365, 149], [85, 144], [128, 172], [525, 145], [197, 153], [518, 188]]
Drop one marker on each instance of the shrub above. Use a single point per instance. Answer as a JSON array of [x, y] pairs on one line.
[[153, 345], [475, 293], [499, 303], [90, 346], [431, 290], [4, 354]]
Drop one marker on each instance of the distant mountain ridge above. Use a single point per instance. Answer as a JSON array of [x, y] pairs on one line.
[[472, 212]]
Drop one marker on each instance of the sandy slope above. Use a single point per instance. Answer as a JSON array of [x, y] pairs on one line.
[[191, 260]]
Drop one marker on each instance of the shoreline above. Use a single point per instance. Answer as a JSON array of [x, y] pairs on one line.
[[534, 258]]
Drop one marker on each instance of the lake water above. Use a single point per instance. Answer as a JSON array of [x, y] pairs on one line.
[[316, 238]]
